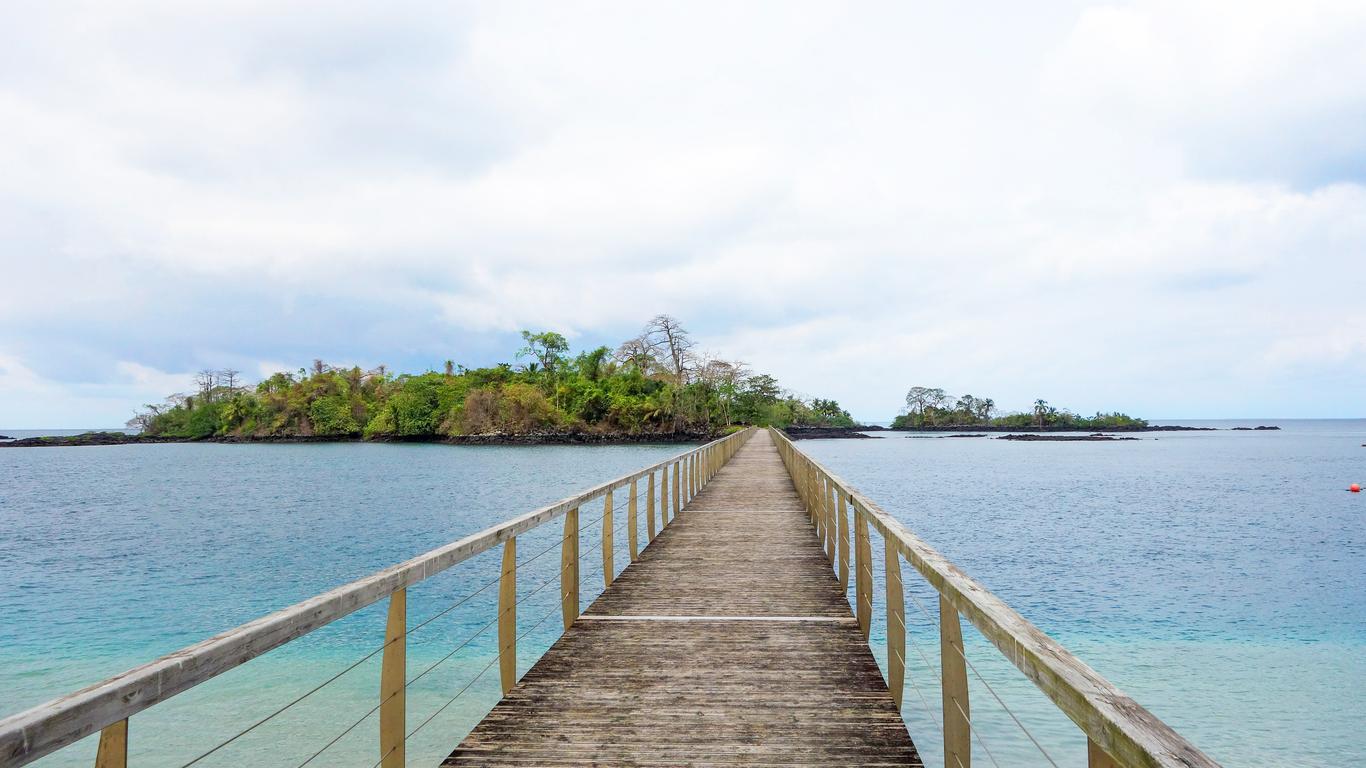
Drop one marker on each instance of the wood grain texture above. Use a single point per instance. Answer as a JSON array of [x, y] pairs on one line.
[[507, 617], [844, 542], [954, 685], [729, 642], [113, 749], [650, 509], [632, 529], [392, 684], [1096, 757], [608, 563], [896, 623], [569, 569], [863, 575]]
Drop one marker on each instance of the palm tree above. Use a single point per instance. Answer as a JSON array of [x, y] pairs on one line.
[[1040, 408], [984, 408]]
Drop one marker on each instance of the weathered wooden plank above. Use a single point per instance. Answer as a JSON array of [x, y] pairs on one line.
[[650, 508], [863, 575], [507, 617], [608, 563], [954, 685], [113, 749], [569, 569], [828, 506], [764, 665], [393, 683], [896, 623], [631, 524], [844, 542], [1096, 757]]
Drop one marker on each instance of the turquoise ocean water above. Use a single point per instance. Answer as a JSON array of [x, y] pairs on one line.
[[1216, 577]]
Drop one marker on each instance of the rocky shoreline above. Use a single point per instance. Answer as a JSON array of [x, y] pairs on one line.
[[1035, 437], [1044, 430], [538, 438], [831, 433]]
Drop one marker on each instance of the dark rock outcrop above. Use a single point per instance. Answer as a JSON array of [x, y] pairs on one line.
[[826, 433], [1063, 438]]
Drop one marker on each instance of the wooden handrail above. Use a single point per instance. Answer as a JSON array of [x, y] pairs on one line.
[[33, 733], [1115, 723]]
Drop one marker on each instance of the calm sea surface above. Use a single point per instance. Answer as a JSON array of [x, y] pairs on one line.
[[1219, 578]]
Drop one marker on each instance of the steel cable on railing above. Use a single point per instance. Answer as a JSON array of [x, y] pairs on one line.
[[376, 651], [940, 675], [524, 598], [479, 632], [359, 662], [994, 695], [487, 667]]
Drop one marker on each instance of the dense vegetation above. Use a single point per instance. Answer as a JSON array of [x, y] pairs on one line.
[[654, 383], [932, 407]]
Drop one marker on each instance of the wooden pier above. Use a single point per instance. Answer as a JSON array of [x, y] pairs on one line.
[[729, 642]]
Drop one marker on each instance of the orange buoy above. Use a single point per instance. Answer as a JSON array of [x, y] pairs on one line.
[[1354, 488]]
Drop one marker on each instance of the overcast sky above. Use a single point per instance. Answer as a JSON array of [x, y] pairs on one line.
[[1156, 207]]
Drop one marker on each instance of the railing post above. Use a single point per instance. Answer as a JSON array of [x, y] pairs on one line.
[[863, 573], [804, 486], [631, 511], [676, 491], [844, 542], [664, 498], [392, 681], [569, 569], [957, 713], [650, 507], [687, 480], [507, 617], [828, 502], [817, 513], [1097, 757], [896, 622], [113, 751], [608, 569], [693, 476]]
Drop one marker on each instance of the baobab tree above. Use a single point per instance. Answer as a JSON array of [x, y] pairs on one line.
[[918, 399], [228, 378], [672, 344], [636, 353], [205, 381]]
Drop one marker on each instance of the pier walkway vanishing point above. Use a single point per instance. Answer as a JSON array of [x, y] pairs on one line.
[[730, 642], [727, 640]]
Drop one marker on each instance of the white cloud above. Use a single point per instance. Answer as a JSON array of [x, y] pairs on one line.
[[31, 401], [1140, 206]]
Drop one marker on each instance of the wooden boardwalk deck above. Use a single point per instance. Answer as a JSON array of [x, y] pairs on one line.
[[730, 642]]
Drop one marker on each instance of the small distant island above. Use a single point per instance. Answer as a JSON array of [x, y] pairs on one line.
[[931, 409]]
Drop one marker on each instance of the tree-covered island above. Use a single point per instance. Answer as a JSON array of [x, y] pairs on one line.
[[654, 384], [933, 408]]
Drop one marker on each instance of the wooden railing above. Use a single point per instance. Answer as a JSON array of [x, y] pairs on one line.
[[1119, 731], [105, 707]]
